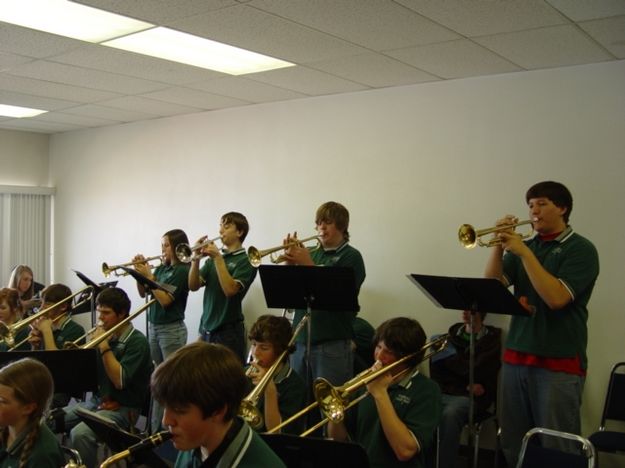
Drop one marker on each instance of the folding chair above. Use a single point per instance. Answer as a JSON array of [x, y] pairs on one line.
[[613, 409], [534, 455]]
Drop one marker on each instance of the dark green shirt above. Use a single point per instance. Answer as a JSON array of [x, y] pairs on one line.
[[554, 333], [46, 452], [176, 275], [21, 335], [68, 331], [133, 353], [218, 309], [417, 402], [334, 325], [245, 450]]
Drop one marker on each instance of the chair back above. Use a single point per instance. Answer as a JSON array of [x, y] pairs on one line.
[[533, 455], [614, 406]]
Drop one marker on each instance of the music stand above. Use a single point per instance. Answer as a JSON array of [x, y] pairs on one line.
[[308, 452], [147, 283], [331, 289], [118, 439], [473, 294], [74, 371], [96, 289]]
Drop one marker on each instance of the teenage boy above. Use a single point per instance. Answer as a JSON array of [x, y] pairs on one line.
[[226, 275], [331, 354], [201, 386], [124, 368], [545, 362], [395, 423], [285, 394]]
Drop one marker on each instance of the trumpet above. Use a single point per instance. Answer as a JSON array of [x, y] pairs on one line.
[[469, 237], [145, 444], [187, 253], [7, 332], [248, 410], [334, 400], [255, 255], [107, 270]]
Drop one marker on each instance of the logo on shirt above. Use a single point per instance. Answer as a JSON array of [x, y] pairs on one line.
[[556, 251], [403, 399]]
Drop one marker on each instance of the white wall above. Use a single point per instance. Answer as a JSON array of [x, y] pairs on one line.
[[410, 163], [23, 158]]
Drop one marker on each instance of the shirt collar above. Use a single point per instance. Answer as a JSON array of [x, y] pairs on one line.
[[337, 249]]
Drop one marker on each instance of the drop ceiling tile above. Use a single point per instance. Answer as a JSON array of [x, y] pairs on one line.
[[375, 24], [149, 106], [258, 31], [53, 90], [84, 77], [109, 113], [32, 43], [79, 121], [454, 59], [30, 125], [306, 81], [374, 70], [479, 18], [36, 102], [194, 98], [556, 46], [130, 64], [595, 9], [10, 60], [609, 32], [247, 90]]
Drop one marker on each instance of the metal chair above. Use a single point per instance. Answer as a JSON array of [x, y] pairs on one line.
[[534, 455], [72, 457], [613, 409]]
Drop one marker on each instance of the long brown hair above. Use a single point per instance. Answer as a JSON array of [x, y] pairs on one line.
[[31, 382], [16, 276]]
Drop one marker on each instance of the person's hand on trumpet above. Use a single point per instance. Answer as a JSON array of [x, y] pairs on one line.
[[296, 253], [141, 265], [209, 250], [510, 240]]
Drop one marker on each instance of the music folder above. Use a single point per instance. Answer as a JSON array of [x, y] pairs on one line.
[[314, 287], [148, 283], [97, 288]]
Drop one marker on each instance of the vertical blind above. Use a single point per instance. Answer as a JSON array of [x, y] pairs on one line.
[[25, 228]]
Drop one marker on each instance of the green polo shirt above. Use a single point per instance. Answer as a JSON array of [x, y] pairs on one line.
[[21, 335], [554, 333], [218, 309], [176, 275], [417, 402], [333, 325], [291, 398], [46, 452], [245, 450], [133, 353], [68, 331]]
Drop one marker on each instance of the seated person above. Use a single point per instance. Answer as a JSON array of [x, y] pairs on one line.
[[22, 280], [395, 423], [26, 387], [201, 386], [124, 368], [10, 311], [285, 394], [450, 369]]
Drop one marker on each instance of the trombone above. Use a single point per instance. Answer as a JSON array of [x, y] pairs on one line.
[[107, 270], [187, 253], [248, 410], [469, 237], [333, 401], [99, 339], [8, 332], [255, 256]]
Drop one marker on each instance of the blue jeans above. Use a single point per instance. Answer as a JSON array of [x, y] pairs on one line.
[[332, 360], [83, 438], [455, 416], [164, 340], [536, 397], [232, 336]]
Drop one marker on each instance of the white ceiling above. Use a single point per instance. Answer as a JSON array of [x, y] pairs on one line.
[[339, 46]]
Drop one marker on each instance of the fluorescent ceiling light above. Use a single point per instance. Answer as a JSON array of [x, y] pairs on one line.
[[16, 111], [69, 19], [193, 50]]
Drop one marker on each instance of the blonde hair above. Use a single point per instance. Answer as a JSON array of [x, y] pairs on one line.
[[16, 276]]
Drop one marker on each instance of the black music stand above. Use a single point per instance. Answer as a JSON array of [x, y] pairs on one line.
[[96, 289], [307, 452], [74, 371], [331, 289], [118, 439], [147, 283], [473, 294]]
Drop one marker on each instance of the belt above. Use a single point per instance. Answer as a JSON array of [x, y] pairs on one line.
[[224, 327]]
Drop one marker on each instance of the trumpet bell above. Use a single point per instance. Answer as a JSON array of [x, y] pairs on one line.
[[467, 236], [184, 253], [254, 256]]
